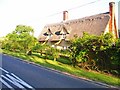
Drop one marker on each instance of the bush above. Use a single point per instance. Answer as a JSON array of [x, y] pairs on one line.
[[100, 53]]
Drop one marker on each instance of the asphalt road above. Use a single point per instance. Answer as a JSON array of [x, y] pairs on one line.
[[20, 74]]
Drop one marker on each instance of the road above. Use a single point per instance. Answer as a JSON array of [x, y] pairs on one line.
[[20, 74]]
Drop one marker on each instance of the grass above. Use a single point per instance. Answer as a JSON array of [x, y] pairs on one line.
[[64, 65], [0, 50]]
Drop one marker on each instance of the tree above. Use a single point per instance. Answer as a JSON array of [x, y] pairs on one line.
[[86, 51], [55, 53], [40, 48], [21, 39], [74, 50], [46, 50]]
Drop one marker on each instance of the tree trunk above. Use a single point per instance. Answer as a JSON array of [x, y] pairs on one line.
[[55, 59], [29, 52]]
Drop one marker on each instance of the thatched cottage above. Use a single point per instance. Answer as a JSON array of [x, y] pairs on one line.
[[59, 34]]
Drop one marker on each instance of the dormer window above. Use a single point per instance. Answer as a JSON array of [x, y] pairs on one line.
[[64, 32], [48, 33], [63, 36]]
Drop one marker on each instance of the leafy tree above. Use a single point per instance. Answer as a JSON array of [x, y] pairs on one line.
[[11, 41], [119, 32], [25, 37], [2, 41], [37, 48], [55, 53], [74, 50], [114, 54], [21, 39], [41, 48], [46, 50], [100, 53], [86, 51]]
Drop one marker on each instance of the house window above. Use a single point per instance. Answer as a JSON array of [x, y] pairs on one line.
[[63, 36], [64, 47], [49, 35]]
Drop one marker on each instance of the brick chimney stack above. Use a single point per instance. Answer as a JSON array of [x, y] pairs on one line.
[[112, 24], [65, 15], [112, 15]]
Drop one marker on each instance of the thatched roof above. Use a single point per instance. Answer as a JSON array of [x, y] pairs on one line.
[[95, 25]]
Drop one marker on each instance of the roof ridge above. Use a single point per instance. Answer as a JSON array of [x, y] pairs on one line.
[[82, 19], [89, 17]]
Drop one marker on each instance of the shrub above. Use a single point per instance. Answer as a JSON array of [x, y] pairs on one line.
[[101, 53]]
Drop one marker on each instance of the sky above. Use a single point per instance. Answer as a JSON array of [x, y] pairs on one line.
[[38, 13]]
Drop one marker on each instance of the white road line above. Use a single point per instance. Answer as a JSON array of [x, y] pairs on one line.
[[5, 83], [21, 81], [12, 80], [4, 70], [15, 80]]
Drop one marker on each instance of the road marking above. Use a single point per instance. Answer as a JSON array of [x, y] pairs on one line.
[[15, 80], [12, 80], [21, 81], [5, 83], [4, 70]]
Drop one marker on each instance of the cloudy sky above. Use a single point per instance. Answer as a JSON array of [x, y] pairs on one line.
[[37, 13]]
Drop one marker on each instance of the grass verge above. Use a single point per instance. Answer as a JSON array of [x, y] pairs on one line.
[[36, 58]]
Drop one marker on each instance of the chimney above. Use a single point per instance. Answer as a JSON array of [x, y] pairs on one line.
[[112, 15], [65, 15], [112, 24]]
